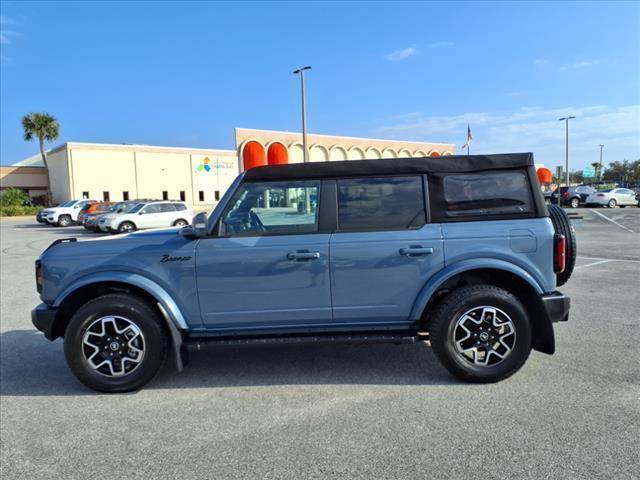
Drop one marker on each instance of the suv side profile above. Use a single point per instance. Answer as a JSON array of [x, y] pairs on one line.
[[64, 214], [148, 215], [458, 250]]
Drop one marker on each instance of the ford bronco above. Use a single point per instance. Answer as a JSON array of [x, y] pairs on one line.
[[459, 251]]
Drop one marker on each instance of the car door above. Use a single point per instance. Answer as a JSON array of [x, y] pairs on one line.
[[626, 197], [167, 215], [383, 251], [267, 266], [148, 216]]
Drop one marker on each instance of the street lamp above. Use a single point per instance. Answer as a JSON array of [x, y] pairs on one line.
[[601, 147], [305, 153], [566, 122]]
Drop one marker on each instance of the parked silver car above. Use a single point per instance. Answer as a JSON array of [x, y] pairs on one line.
[[612, 198]]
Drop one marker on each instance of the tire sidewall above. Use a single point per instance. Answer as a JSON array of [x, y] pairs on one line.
[[64, 221], [575, 203], [611, 203], [121, 230], [509, 305], [135, 311], [180, 223]]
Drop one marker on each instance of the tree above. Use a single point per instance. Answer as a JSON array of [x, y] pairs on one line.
[[44, 127], [13, 197]]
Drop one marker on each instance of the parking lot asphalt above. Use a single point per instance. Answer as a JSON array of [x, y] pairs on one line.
[[337, 411]]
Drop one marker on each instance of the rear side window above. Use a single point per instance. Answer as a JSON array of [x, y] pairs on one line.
[[495, 193], [167, 207], [386, 203], [180, 206]]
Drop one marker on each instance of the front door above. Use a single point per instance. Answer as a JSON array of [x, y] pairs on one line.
[[268, 266], [148, 216], [383, 252]]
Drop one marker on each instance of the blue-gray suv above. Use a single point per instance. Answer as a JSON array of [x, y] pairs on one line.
[[460, 251]]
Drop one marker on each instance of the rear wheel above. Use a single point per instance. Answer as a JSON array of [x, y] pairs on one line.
[[115, 343], [562, 226], [575, 203], [64, 220], [126, 227], [612, 203], [480, 333], [180, 223]]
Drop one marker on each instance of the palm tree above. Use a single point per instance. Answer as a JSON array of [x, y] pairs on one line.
[[44, 127]]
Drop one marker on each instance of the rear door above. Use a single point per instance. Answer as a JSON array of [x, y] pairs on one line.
[[167, 215], [383, 251]]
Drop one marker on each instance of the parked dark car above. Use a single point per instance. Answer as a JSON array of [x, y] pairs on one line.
[[573, 196]]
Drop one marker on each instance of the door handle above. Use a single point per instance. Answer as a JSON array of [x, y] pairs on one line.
[[303, 255], [416, 251]]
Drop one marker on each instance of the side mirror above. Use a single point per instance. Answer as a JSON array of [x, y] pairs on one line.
[[198, 227], [140, 213]]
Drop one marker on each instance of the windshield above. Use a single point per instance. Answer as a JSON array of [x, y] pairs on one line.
[[68, 203], [134, 208], [115, 207], [606, 191]]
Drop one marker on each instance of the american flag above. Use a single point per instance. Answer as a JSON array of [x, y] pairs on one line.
[[469, 138]]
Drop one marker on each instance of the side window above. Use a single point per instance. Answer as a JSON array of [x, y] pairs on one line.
[[490, 193], [386, 203], [180, 206], [167, 207], [153, 208], [273, 208]]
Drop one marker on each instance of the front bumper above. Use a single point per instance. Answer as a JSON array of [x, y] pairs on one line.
[[556, 306], [43, 318]]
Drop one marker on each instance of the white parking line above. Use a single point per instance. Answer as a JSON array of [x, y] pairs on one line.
[[608, 259], [592, 264], [610, 220]]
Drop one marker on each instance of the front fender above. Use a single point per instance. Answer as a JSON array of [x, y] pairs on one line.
[[149, 286], [450, 271]]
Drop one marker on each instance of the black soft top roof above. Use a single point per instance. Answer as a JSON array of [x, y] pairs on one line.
[[393, 166]]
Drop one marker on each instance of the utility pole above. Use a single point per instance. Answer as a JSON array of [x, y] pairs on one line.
[[601, 147], [566, 122], [305, 152]]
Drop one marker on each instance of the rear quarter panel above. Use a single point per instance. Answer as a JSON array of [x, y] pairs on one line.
[[526, 243]]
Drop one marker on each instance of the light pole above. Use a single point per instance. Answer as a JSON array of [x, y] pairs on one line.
[[601, 147], [566, 122], [305, 154]]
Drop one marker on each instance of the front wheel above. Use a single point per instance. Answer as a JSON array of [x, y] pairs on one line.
[[64, 221], [126, 227], [115, 343], [612, 203], [480, 333]]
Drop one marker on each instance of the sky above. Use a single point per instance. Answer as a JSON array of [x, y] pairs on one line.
[[186, 74]]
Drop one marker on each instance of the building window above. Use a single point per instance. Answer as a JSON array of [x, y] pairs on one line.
[[105, 196], [125, 195], [85, 194], [182, 196], [165, 195], [201, 196], [216, 195]]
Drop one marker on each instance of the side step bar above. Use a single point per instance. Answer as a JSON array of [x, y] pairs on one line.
[[201, 342]]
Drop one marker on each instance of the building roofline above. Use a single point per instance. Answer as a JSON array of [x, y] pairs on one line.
[[350, 138], [136, 146]]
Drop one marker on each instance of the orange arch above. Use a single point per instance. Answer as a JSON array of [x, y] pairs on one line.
[[253, 155], [434, 154], [277, 154], [544, 175]]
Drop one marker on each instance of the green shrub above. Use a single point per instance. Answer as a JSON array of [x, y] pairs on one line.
[[606, 186], [13, 197], [17, 210]]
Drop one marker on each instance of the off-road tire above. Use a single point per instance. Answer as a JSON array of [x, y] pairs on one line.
[[562, 226], [137, 311], [64, 221], [443, 321]]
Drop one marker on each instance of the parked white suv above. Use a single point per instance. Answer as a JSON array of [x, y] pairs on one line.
[[64, 214], [148, 215]]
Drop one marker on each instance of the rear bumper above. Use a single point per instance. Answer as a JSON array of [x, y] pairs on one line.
[[43, 318], [557, 306]]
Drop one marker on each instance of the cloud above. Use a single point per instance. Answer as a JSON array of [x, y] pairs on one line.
[[578, 65], [530, 129], [399, 55], [539, 62], [6, 36], [440, 44]]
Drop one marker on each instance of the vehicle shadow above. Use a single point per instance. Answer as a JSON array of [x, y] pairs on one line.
[[30, 365]]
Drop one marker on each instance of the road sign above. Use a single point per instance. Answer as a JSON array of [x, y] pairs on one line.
[[589, 172]]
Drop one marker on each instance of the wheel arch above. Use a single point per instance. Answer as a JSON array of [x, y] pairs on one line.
[[509, 277], [93, 286], [127, 221]]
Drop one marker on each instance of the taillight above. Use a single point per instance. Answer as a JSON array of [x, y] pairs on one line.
[[559, 253], [38, 276], [565, 194]]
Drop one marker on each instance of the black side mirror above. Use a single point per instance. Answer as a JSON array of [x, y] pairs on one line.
[[198, 227]]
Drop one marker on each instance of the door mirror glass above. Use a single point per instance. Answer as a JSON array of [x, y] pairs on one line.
[[198, 227]]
